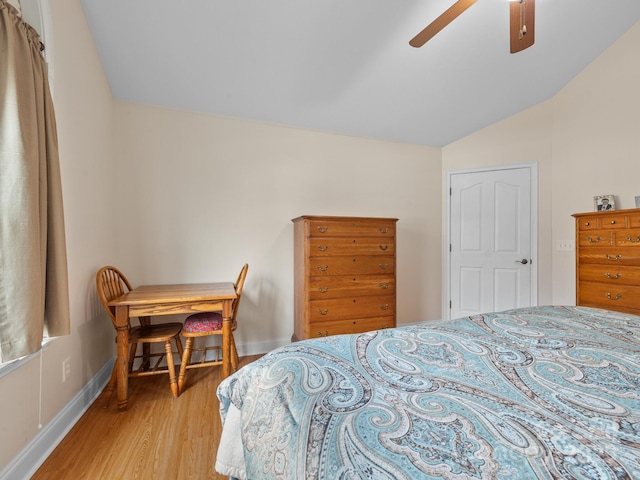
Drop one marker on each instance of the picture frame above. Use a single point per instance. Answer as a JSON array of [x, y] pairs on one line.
[[638, 202], [604, 202]]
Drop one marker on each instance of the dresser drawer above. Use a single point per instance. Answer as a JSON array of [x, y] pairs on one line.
[[634, 219], [320, 247], [323, 329], [351, 286], [355, 265], [364, 228], [609, 256], [602, 221], [587, 223], [627, 238], [351, 307], [597, 238], [609, 274], [609, 296], [613, 221]]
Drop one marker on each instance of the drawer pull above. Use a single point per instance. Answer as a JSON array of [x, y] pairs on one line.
[[385, 247], [323, 248], [323, 269], [594, 240], [613, 259], [383, 265], [326, 289], [613, 222], [322, 229], [383, 230], [586, 224], [323, 312], [617, 297], [326, 334], [384, 286], [384, 307], [617, 276], [637, 240]]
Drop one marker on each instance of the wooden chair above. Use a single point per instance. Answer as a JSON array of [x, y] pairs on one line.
[[210, 323], [111, 284]]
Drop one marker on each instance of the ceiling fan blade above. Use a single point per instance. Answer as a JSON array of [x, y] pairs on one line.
[[439, 23], [522, 24]]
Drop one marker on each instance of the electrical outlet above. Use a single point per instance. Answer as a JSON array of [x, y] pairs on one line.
[[566, 245], [66, 369]]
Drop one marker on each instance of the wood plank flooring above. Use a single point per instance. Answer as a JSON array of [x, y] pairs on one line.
[[159, 437]]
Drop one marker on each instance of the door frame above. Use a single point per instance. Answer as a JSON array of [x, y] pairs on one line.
[[533, 171]]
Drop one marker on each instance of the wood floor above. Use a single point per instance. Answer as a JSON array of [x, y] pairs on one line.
[[159, 437]]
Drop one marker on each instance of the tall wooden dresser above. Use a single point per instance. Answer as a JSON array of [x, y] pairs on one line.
[[344, 275], [608, 260]]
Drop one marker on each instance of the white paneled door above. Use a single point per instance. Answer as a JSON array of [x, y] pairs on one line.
[[491, 247]]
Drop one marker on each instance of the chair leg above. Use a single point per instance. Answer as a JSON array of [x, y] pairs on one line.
[[146, 347], [186, 359], [172, 368], [234, 355], [146, 356], [228, 362], [110, 388], [132, 355], [179, 346]]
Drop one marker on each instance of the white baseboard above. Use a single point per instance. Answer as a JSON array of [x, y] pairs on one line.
[[25, 464], [261, 347]]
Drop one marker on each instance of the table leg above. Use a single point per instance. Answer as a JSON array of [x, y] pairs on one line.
[[122, 369], [227, 312]]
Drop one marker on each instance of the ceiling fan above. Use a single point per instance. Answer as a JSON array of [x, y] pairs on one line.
[[521, 23]]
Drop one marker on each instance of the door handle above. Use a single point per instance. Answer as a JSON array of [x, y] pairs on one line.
[[524, 261]]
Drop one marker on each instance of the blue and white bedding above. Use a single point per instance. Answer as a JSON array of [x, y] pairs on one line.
[[535, 393]]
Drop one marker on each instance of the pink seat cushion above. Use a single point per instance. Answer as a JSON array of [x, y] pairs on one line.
[[203, 322]]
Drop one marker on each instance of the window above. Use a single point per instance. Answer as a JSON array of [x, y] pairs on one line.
[[38, 14], [29, 186]]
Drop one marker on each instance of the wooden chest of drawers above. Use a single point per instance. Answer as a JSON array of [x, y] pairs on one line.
[[608, 260], [344, 275]]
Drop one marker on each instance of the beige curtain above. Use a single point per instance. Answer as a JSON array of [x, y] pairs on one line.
[[34, 295]]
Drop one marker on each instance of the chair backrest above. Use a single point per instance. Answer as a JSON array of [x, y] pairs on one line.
[[111, 284], [239, 285]]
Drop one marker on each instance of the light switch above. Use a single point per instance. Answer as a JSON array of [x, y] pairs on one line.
[[566, 245]]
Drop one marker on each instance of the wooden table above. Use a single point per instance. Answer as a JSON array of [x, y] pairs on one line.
[[153, 300]]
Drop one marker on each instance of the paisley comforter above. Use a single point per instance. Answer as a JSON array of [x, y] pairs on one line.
[[535, 393]]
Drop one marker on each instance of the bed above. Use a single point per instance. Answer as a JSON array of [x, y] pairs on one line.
[[533, 393]]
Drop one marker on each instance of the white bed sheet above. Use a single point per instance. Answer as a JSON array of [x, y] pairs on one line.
[[230, 457]]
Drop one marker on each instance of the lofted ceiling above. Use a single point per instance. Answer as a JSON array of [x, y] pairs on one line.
[[345, 66]]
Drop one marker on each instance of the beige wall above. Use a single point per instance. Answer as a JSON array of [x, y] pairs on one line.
[[206, 194], [84, 110], [586, 141]]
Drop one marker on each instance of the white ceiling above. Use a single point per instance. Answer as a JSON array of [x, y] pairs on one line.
[[345, 66]]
